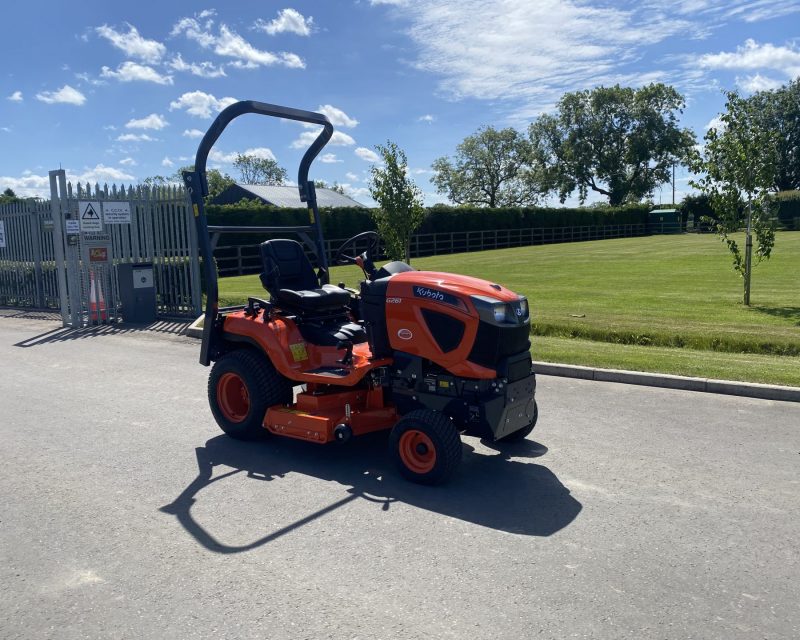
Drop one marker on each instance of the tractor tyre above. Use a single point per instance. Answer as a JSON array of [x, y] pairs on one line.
[[425, 446], [520, 434], [242, 385]]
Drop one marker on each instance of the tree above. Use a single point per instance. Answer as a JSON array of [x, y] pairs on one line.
[[217, 181], [400, 209], [779, 111], [8, 196], [257, 170], [738, 170], [489, 169], [617, 141], [321, 184]]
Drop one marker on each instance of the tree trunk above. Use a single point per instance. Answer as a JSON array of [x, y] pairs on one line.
[[748, 254]]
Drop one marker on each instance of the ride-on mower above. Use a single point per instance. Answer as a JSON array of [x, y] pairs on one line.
[[424, 354]]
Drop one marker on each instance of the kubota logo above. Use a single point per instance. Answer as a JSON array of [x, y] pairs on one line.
[[423, 292], [405, 334]]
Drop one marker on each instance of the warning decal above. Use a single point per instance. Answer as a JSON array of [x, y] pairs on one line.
[[90, 216]]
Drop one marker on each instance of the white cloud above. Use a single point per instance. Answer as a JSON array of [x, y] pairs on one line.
[[367, 154], [128, 162], [135, 137], [260, 152], [307, 138], [329, 158], [153, 121], [134, 72], [426, 118], [65, 95], [527, 54], [192, 29], [133, 44], [15, 97], [715, 123], [200, 69], [751, 84], [166, 162], [752, 56], [228, 158], [288, 21], [228, 43], [28, 185], [337, 117], [193, 133], [100, 173], [351, 176], [200, 104]]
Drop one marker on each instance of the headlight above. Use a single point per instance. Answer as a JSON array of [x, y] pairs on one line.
[[492, 310], [523, 307], [500, 312]]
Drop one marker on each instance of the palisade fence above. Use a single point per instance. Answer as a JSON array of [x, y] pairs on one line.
[[162, 233], [47, 258], [246, 259], [27, 256]]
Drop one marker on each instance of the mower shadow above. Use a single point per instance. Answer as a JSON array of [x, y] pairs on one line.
[[495, 491]]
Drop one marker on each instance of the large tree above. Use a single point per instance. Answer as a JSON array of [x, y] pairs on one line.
[[399, 200], [737, 169], [258, 170], [617, 141], [779, 111], [489, 169]]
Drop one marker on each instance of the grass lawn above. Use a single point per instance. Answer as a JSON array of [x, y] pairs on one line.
[[660, 303]]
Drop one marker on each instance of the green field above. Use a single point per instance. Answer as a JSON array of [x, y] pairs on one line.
[[661, 303]]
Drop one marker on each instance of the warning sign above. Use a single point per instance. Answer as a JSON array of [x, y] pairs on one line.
[[73, 226], [117, 212], [98, 254], [2, 234], [91, 216]]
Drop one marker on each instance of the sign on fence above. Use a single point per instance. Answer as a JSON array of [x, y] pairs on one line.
[[2, 235], [73, 227], [117, 212], [90, 216]]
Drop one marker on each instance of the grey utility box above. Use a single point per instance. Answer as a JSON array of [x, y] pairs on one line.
[[137, 292]]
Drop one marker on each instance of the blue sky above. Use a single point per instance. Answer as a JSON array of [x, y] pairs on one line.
[[115, 92]]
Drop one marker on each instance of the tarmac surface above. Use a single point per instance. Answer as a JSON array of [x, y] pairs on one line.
[[630, 512]]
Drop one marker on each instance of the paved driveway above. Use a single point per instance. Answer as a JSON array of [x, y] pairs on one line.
[[630, 513]]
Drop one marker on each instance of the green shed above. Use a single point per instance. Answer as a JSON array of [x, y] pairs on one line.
[[664, 221]]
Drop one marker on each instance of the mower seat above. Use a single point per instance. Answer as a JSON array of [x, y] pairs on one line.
[[292, 283]]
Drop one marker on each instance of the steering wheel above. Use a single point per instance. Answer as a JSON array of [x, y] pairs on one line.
[[372, 239]]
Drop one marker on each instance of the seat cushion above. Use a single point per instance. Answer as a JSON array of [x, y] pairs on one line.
[[325, 298]]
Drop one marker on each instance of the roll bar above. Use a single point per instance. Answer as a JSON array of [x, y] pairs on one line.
[[196, 184]]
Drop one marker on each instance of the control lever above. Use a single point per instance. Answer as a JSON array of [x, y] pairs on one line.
[[348, 356]]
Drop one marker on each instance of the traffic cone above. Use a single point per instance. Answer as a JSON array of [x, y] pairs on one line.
[[97, 303]]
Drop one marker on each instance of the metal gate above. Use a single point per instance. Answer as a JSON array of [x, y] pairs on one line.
[[98, 229], [63, 254]]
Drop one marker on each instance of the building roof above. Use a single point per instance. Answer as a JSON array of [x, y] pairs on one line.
[[282, 196]]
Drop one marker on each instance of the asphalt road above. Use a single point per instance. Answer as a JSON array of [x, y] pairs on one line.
[[630, 512]]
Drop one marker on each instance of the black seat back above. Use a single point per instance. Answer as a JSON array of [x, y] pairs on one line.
[[286, 267]]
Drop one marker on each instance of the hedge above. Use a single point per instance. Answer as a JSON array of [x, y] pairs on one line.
[[344, 222]]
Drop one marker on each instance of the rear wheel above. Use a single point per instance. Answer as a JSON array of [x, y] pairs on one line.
[[241, 387], [425, 446], [521, 434]]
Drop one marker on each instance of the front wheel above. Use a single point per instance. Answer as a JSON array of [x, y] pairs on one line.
[[425, 446], [241, 387]]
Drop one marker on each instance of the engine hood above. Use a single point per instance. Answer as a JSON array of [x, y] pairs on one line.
[[455, 284]]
